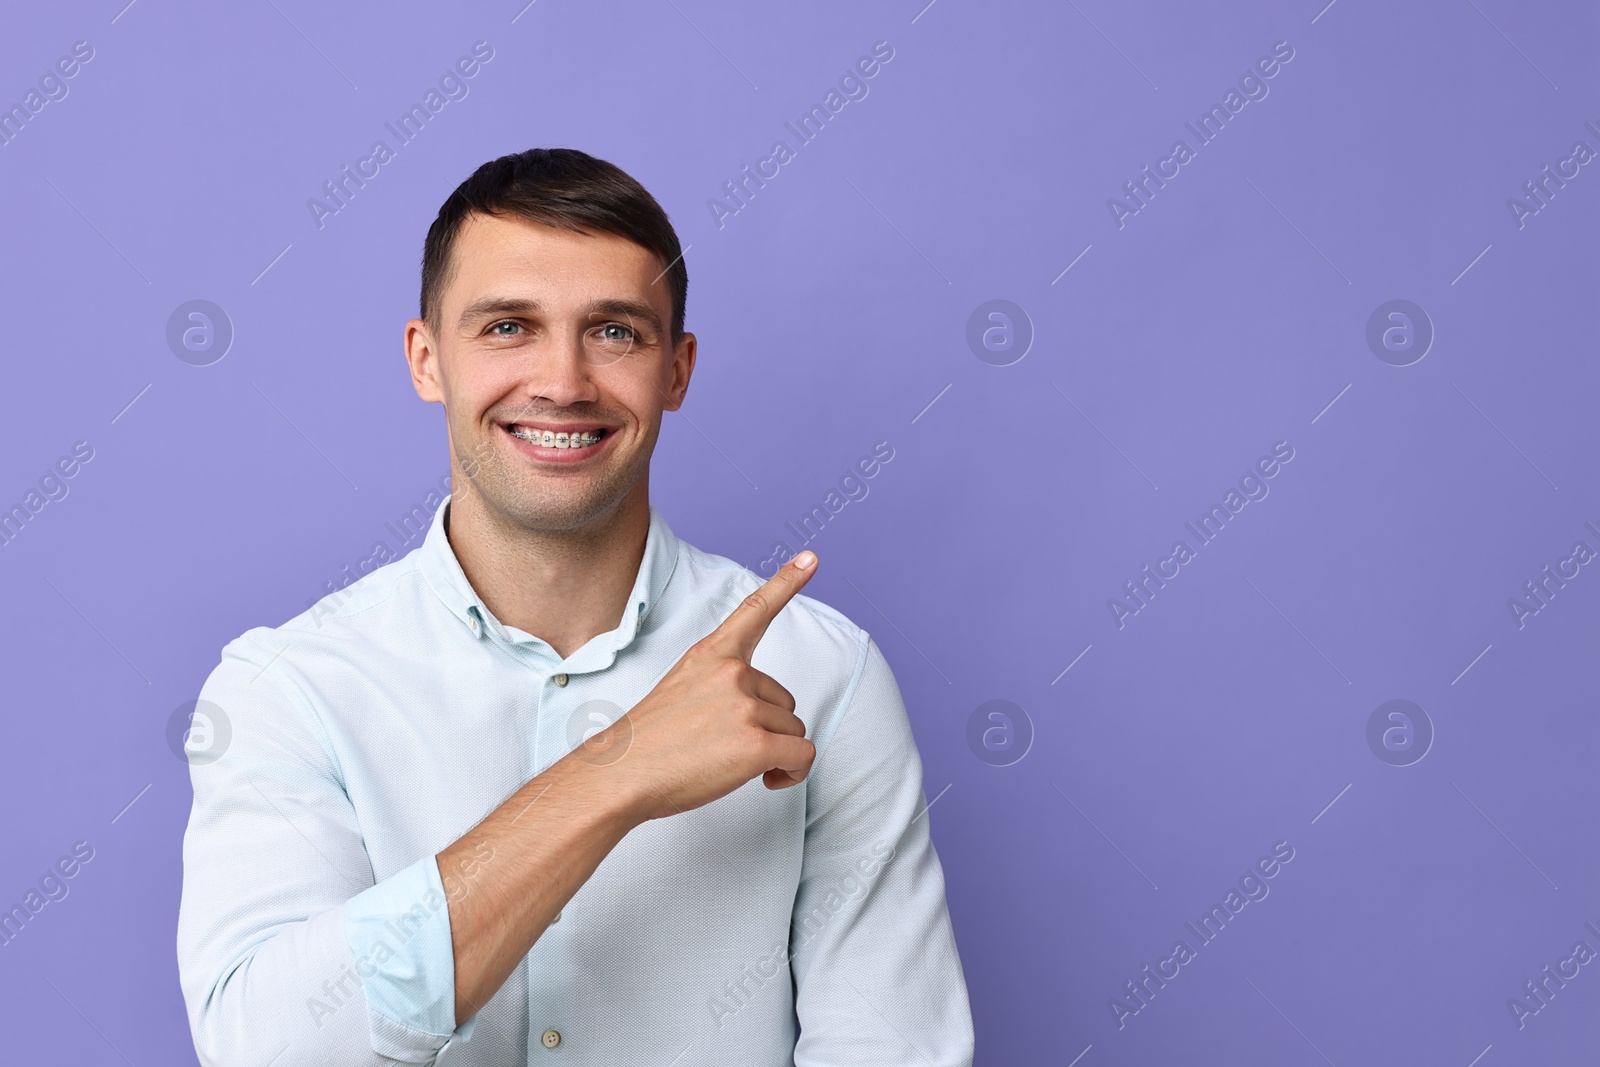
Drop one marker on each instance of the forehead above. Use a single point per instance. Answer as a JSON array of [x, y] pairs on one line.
[[506, 253]]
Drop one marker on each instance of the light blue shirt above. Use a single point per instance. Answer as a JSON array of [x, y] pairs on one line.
[[344, 749]]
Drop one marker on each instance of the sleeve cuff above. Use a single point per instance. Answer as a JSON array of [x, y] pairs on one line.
[[399, 933]]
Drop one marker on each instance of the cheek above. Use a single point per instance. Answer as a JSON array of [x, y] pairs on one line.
[[635, 394], [639, 407], [472, 393]]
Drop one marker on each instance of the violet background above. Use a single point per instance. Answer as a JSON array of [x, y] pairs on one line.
[[1229, 314]]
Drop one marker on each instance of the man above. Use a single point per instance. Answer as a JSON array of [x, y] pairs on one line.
[[558, 787]]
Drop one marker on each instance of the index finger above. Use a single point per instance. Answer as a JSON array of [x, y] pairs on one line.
[[744, 627]]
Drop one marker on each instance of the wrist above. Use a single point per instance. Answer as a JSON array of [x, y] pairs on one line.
[[614, 804]]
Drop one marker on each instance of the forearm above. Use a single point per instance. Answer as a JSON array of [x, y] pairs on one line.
[[507, 879]]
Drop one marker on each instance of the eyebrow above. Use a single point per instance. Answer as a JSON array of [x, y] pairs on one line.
[[498, 305], [504, 305]]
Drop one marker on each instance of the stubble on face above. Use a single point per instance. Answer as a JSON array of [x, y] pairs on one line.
[[551, 501]]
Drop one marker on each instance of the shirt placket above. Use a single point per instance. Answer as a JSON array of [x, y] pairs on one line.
[[552, 962]]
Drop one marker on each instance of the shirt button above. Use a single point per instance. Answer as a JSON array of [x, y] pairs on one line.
[[559, 679], [551, 1038], [557, 918]]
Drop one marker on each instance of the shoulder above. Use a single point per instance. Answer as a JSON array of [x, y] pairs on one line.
[[271, 684], [361, 618]]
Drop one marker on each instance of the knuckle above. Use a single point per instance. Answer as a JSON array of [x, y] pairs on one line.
[[751, 742], [756, 601], [753, 708], [706, 653]]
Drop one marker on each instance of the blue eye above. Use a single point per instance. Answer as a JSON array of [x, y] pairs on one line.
[[626, 332], [496, 327]]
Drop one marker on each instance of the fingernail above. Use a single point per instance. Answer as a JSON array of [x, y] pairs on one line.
[[805, 559]]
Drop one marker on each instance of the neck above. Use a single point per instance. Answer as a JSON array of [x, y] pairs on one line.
[[563, 586]]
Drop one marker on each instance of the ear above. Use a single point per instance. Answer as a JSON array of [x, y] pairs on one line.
[[682, 367], [422, 355]]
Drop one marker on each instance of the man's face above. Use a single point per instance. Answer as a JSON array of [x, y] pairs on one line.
[[545, 329]]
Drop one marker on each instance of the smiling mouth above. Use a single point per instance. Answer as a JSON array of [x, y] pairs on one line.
[[575, 438]]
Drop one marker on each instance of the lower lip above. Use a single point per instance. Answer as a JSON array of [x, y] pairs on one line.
[[557, 455]]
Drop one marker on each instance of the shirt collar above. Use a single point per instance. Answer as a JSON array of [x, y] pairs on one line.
[[442, 570]]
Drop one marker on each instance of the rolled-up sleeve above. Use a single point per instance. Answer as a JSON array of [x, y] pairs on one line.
[[877, 976], [289, 951]]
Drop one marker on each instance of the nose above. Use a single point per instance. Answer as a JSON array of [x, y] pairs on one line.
[[559, 373]]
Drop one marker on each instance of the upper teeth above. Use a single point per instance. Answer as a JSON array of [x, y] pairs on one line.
[[554, 439]]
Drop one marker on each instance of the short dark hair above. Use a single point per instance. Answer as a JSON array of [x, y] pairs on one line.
[[560, 187]]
